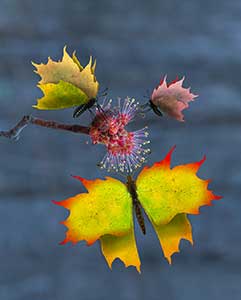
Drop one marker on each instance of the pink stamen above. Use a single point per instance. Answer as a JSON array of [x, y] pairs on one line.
[[125, 150]]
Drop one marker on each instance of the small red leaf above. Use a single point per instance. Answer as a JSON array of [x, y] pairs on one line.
[[171, 98]]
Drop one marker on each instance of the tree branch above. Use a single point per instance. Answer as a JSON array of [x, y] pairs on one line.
[[14, 133]]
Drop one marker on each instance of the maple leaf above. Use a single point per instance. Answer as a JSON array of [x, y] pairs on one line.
[[66, 83], [172, 98], [166, 194]]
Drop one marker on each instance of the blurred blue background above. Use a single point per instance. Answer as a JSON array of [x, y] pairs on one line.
[[135, 43]]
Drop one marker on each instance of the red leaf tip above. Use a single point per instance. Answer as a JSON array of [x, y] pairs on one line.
[[56, 202], [167, 160]]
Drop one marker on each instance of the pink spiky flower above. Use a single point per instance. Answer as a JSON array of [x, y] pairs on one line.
[[125, 151], [171, 98]]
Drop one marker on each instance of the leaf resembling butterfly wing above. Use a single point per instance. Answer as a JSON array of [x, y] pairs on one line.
[[68, 71], [172, 98], [123, 247], [60, 95], [104, 213], [171, 234], [165, 193]]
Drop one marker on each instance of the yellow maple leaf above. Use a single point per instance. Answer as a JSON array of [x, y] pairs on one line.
[[64, 76]]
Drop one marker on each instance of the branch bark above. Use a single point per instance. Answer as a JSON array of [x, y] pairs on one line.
[[14, 133]]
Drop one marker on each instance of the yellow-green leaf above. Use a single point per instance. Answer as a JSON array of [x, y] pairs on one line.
[[60, 95], [105, 209], [68, 70], [165, 192], [122, 247], [171, 234]]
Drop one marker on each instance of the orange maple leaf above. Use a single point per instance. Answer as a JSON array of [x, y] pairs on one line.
[[166, 194]]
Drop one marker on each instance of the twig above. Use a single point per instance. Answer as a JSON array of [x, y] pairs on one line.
[[14, 133]]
